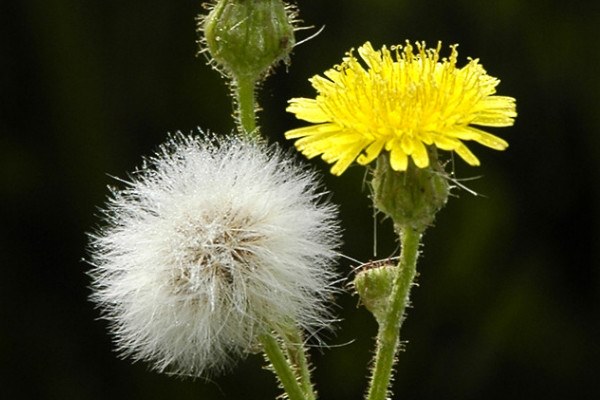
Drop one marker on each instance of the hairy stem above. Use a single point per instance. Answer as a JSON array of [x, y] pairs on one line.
[[282, 368], [246, 106], [297, 356], [388, 336]]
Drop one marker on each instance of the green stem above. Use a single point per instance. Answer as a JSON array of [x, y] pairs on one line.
[[246, 103], [388, 336], [282, 368], [297, 356]]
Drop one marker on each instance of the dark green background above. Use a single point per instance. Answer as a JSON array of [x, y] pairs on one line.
[[508, 302]]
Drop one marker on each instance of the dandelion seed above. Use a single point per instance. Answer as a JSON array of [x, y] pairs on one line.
[[212, 243]]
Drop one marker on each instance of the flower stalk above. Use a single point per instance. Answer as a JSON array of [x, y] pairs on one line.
[[388, 337], [411, 199], [282, 368], [296, 353], [246, 106]]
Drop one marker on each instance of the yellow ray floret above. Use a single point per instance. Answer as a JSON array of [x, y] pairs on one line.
[[402, 102]]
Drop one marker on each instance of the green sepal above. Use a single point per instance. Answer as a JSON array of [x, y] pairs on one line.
[[412, 197]]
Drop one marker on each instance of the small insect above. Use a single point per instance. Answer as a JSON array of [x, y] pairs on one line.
[[377, 263]]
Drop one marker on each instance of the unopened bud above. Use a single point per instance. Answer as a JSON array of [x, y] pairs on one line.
[[373, 285], [247, 37]]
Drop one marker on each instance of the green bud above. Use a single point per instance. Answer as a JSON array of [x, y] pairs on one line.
[[413, 197], [247, 37], [374, 286]]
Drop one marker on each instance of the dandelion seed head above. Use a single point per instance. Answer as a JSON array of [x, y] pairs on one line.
[[210, 244]]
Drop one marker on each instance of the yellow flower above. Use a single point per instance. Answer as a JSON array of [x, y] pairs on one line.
[[401, 103]]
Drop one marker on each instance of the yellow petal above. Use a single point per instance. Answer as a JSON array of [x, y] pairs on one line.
[[371, 152], [346, 159], [312, 130], [466, 155], [445, 142], [420, 156], [408, 144], [462, 132], [489, 140], [398, 159], [308, 110]]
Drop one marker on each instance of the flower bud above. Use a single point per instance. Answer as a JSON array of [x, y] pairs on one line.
[[412, 197], [247, 37], [374, 285]]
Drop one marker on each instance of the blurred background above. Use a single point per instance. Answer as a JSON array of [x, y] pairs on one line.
[[508, 302]]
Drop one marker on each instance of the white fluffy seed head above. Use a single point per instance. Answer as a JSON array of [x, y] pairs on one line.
[[213, 242]]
